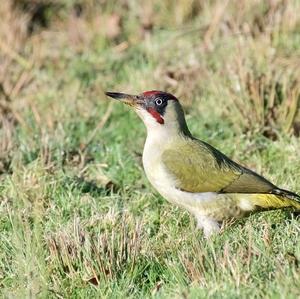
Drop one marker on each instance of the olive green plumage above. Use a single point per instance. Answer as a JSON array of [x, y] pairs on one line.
[[193, 174], [198, 167]]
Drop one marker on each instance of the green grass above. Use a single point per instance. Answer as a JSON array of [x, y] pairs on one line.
[[78, 217]]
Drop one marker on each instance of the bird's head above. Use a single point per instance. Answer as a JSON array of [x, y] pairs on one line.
[[159, 110]]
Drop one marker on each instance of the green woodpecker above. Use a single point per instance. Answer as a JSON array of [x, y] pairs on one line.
[[194, 175]]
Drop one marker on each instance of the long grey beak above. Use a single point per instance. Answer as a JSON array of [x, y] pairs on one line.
[[128, 99]]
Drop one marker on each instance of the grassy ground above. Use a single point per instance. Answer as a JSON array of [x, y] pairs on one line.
[[78, 218]]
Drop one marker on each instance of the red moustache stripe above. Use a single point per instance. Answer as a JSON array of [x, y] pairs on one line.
[[156, 115]]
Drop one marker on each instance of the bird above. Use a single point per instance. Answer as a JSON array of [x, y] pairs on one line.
[[194, 175]]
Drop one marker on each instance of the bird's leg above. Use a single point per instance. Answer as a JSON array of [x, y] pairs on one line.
[[209, 225]]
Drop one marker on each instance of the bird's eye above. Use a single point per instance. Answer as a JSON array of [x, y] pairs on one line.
[[158, 102]]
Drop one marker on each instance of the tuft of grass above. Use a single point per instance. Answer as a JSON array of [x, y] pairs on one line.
[[78, 218]]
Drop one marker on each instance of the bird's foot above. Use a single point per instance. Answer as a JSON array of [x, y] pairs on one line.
[[209, 225]]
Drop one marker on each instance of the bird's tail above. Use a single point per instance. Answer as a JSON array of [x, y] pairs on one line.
[[279, 199], [287, 194]]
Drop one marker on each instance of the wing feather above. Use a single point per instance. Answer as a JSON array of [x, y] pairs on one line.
[[198, 167]]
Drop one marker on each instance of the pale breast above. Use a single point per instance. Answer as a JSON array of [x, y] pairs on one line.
[[164, 183]]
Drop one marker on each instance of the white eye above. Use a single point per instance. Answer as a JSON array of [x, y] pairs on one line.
[[158, 102]]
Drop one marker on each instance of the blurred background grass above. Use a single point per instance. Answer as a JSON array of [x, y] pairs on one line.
[[77, 216]]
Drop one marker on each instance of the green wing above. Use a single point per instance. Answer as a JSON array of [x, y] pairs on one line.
[[198, 167]]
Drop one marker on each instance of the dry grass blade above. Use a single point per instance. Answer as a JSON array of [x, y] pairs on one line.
[[96, 256], [100, 125], [266, 102], [67, 230]]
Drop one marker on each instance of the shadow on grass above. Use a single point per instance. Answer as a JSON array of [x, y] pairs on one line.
[[86, 186], [274, 216]]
